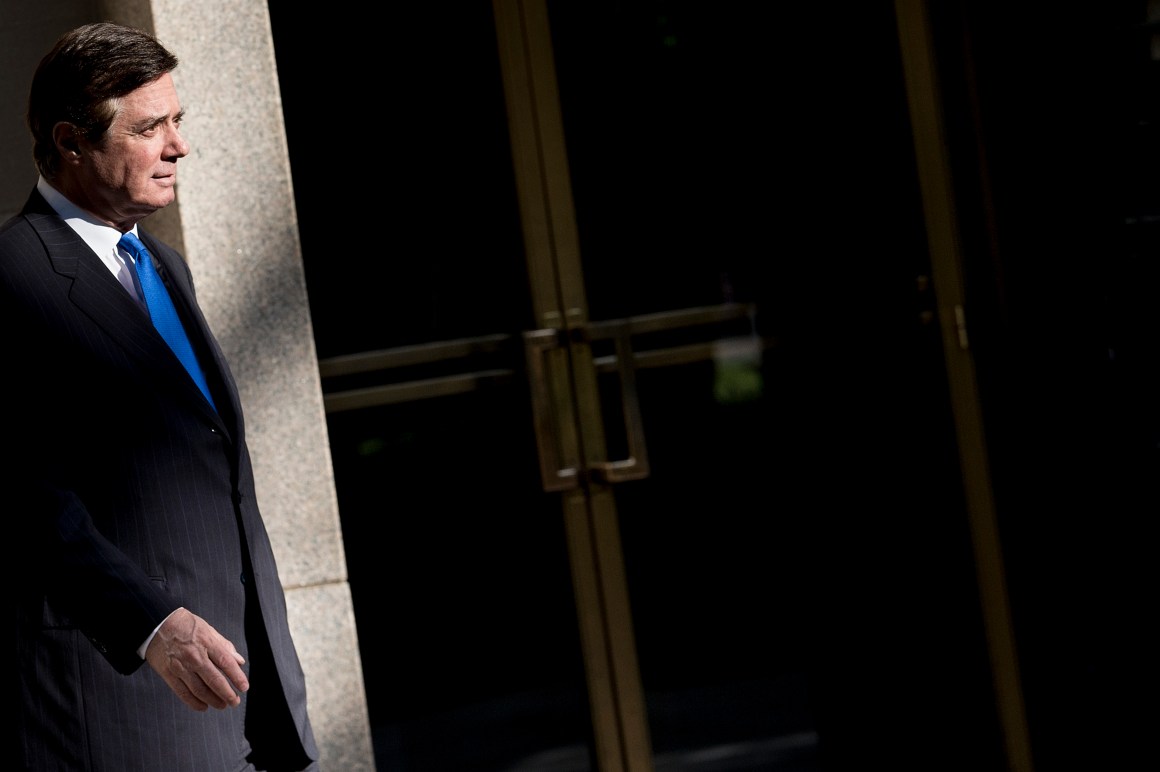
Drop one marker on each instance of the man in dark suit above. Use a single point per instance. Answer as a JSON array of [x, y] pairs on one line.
[[139, 536]]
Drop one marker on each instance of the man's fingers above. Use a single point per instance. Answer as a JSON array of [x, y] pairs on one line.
[[216, 684], [201, 666], [183, 692], [221, 690], [201, 687], [230, 665]]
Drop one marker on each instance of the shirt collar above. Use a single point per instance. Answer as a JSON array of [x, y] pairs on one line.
[[100, 237]]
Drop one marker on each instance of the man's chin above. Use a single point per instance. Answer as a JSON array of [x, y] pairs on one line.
[[160, 199]]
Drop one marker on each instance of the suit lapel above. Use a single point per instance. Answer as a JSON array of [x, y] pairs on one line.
[[96, 293]]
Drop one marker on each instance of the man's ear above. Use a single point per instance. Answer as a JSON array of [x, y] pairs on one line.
[[67, 140]]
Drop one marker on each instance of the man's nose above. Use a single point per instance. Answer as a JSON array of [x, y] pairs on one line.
[[178, 146]]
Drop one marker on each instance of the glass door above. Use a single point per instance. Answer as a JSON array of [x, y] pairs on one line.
[[637, 408], [458, 560], [742, 222]]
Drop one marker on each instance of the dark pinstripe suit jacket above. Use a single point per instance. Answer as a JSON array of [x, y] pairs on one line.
[[131, 497]]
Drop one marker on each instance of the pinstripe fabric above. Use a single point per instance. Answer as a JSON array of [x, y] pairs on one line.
[[124, 515]]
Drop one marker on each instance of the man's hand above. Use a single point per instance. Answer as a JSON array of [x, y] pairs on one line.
[[198, 663]]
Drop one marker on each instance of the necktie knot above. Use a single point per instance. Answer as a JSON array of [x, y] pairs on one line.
[[161, 309], [133, 245]]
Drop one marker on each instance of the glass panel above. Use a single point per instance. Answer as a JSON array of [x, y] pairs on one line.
[[459, 575], [457, 561], [798, 560], [1054, 131], [405, 194]]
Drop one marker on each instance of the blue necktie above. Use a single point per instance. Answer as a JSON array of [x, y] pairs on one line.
[[161, 309]]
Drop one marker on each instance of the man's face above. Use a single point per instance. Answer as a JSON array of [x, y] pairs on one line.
[[132, 172]]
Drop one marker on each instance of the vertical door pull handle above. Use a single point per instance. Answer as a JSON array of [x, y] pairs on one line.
[[551, 428], [635, 467]]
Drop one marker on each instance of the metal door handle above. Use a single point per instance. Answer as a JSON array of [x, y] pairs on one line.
[[636, 466], [550, 429], [554, 422]]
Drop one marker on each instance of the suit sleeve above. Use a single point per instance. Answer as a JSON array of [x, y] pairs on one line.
[[92, 585]]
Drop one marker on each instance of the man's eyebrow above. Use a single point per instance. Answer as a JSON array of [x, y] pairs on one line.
[[156, 120]]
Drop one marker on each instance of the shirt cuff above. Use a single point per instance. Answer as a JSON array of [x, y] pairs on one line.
[[145, 646]]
